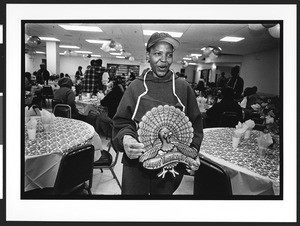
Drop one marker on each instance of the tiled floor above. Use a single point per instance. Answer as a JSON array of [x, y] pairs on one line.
[[104, 184]]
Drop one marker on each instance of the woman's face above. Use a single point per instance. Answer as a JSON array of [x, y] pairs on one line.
[[161, 58]]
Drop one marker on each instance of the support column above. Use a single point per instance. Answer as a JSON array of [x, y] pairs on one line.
[[53, 58]]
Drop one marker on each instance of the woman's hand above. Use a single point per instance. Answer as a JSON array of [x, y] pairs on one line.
[[132, 147], [195, 166]]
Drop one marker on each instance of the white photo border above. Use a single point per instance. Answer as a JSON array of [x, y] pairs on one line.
[[144, 210]]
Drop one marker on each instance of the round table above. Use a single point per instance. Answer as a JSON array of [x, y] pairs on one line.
[[250, 174], [43, 154]]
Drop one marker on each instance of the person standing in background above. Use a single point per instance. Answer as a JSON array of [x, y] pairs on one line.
[[236, 82], [44, 75], [78, 74], [90, 82], [222, 81]]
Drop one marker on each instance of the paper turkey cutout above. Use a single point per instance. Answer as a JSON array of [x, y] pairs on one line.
[[166, 133]]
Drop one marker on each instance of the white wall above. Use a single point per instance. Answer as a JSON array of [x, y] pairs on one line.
[[32, 62], [262, 70], [69, 64]]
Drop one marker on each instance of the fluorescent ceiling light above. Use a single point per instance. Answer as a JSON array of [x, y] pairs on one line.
[[116, 54], [97, 41], [96, 55], [187, 58], [196, 54], [231, 39], [61, 53], [120, 57], [40, 52], [81, 28], [78, 51], [69, 47], [173, 34], [192, 64], [49, 39]]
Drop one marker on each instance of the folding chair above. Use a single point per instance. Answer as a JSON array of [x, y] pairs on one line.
[[75, 169], [228, 119], [211, 181], [106, 160], [47, 92], [55, 102], [62, 110]]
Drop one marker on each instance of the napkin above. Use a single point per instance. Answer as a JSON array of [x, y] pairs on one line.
[[264, 140], [249, 123], [243, 103], [47, 117], [32, 124], [32, 111], [240, 129]]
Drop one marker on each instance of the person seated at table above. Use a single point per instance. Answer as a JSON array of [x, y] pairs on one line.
[[28, 81], [113, 97], [227, 103], [200, 86], [251, 97], [67, 96]]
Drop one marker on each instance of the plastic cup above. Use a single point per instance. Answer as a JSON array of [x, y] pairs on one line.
[[31, 134], [262, 151], [247, 134], [235, 141]]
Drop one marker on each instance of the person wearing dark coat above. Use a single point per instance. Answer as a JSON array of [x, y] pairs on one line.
[[66, 95], [236, 82], [226, 104], [43, 75], [113, 98]]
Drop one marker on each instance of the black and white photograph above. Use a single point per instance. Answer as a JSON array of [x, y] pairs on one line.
[[138, 109]]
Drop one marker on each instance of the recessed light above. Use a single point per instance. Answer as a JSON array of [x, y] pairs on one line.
[[69, 47], [79, 51], [231, 39], [81, 28], [115, 54], [49, 39], [196, 54], [173, 34], [97, 41]]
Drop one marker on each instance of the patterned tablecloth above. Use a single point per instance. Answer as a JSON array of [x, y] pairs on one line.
[[43, 155], [217, 145], [64, 135]]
